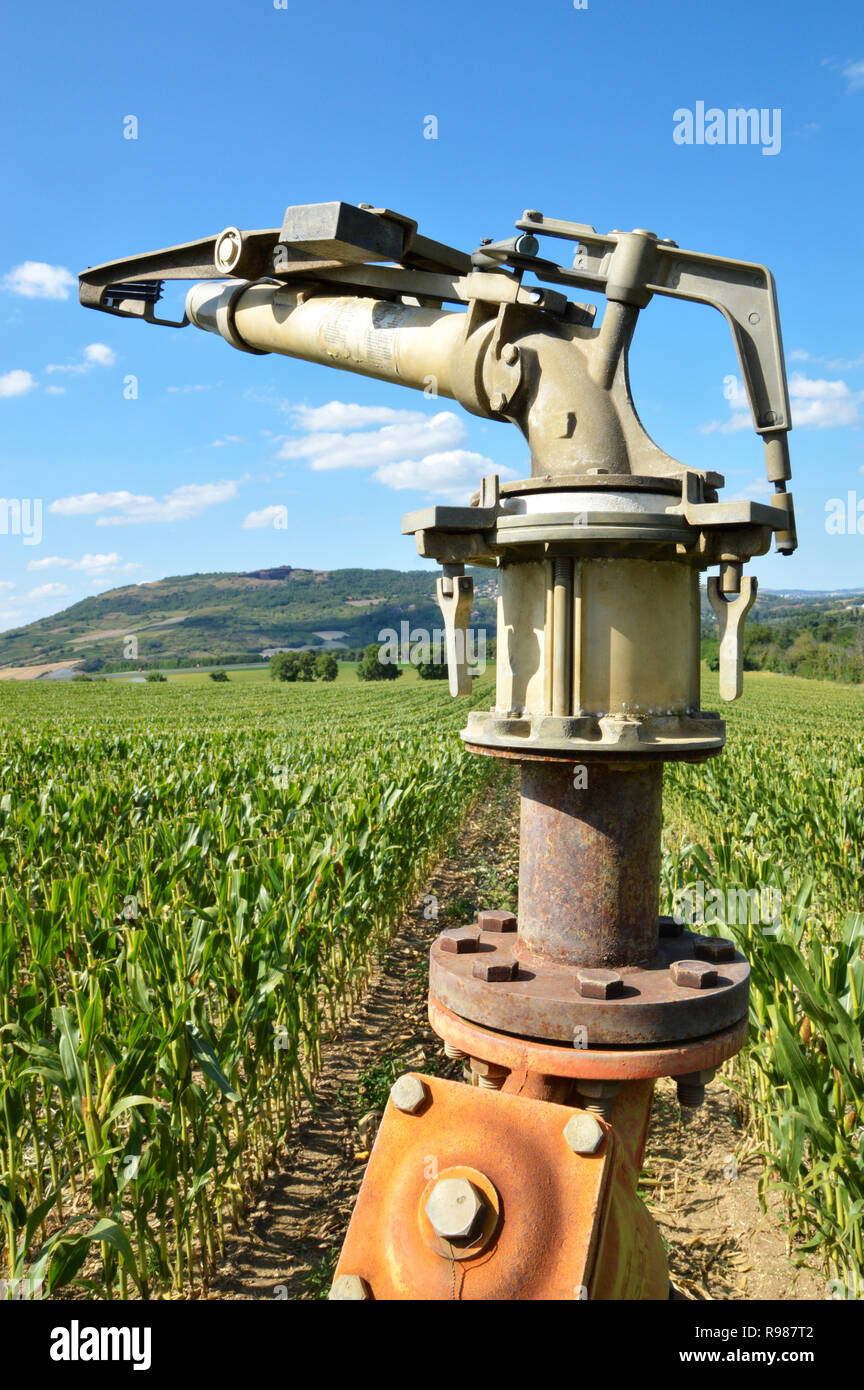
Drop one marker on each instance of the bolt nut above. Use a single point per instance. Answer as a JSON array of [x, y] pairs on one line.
[[455, 1208], [694, 974], [584, 1134], [460, 940], [494, 970], [510, 354], [691, 1088], [497, 402], [667, 926], [496, 921], [408, 1094], [599, 984], [713, 948], [349, 1287], [532, 215]]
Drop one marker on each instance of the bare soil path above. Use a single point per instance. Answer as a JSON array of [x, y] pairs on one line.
[[701, 1178]]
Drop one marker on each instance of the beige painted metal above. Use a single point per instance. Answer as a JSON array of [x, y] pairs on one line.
[[730, 616], [620, 640]]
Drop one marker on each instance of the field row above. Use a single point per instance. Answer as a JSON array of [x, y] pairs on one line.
[[192, 889]]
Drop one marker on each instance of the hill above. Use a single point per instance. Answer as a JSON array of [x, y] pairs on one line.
[[235, 617], [227, 617]]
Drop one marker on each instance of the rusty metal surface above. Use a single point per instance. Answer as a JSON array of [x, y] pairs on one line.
[[490, 978], [589, 866], [551, 1200], [527, 1056]]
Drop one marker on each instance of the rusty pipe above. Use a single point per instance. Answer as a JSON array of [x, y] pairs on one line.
[[589, 862]]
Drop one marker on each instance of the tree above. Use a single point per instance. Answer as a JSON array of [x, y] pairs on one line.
[[153, 676], [326, 667], [284, 666], [218, 676], [306, 666], [432, 670], [371, 669]]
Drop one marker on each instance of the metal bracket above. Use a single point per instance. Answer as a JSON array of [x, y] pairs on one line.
[[730, 615], [455, 591]]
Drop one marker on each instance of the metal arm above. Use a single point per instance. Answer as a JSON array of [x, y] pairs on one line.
[[359, 288]]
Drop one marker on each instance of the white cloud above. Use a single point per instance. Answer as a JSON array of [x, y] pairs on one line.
[[815, 404], [267, 516], [6, 585], [454, 473], [38, 280], [342, 415], [130, 508], [16, 383], [100, 354], [798, 355], [95, 355], [854, 74], [90, 564], [227, 439], [55, 390], [414, 435], [753, 491], [49, 591], [186, 389]]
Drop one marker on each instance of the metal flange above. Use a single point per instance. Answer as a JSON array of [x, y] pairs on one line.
[[694, 985], [531, 1057]]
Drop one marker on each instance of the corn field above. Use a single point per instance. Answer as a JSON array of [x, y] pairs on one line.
[[784, 810], [193, 886]]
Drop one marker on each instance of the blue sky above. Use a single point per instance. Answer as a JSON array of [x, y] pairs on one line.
[[244, 110]]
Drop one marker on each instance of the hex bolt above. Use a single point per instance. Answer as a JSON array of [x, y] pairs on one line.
[[584, 1134], [599, 984], [348, 1287], [408, 1094], [532, 215], [713, 948], [510, 354], [454, 1053], [494, 970], [691, 1088], [496, 920], [497, 402], [598, 1096], [694, 974], [460, 940], [455, 1209], [488, 1075], [490, 1083]]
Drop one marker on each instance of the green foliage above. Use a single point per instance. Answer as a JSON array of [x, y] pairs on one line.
[[784, 809], [193, 888], [371, 669], [218, 676], [432, 670], [154, 677], [326, 667], [284, 666]]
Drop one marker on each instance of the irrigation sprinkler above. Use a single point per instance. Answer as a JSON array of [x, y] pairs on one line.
[[523, 1185]]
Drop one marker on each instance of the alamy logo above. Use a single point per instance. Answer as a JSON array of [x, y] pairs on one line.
[[416, 645], [21, 516], [77, 1343], [845, 516], [737, 126]]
